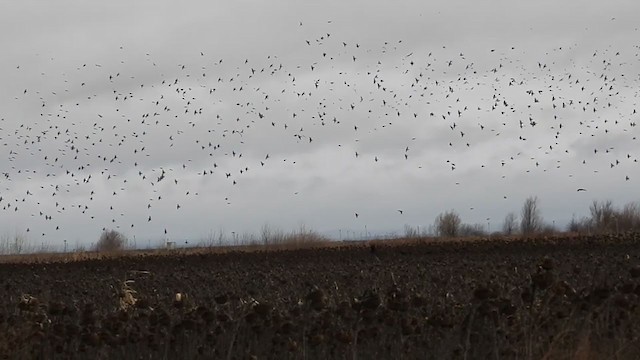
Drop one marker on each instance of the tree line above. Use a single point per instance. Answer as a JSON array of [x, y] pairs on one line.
[[603, 218]]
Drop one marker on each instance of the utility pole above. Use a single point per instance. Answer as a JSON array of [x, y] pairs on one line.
[[489, 226]]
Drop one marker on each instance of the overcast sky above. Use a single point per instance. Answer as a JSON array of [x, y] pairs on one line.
[[197, 117]]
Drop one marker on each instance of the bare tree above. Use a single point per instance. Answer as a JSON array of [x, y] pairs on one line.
[[531, 221], [13, 244], [510, 224], [575, 225], [582, 225], [111, 240], [629, 217], [602, 215], [410, 232], [448, 224], [266, 234]]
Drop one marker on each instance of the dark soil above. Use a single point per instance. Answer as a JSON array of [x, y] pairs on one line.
[[563, 297]]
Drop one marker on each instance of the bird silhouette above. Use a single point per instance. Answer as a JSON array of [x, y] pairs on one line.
[[104, 136]]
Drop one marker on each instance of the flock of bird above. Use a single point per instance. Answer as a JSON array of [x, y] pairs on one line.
[[110, 144]]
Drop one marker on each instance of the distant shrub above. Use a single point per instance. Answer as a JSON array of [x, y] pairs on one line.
[[582, 225], [548, 229], [111, 240], [471, 230], [603, 216], [629, 217], [303, 237], [607, 219], [411, 232]]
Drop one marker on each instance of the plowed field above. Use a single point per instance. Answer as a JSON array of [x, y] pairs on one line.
[[529, 299]]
